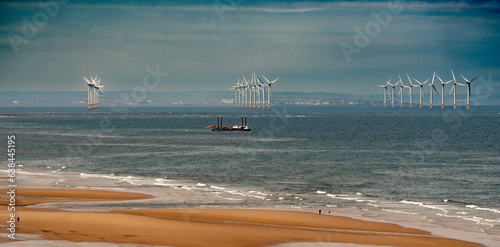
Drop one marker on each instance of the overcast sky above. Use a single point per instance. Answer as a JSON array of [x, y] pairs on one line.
[[206, 45]]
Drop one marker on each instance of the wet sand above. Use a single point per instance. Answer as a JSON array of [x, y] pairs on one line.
[[199, 227]]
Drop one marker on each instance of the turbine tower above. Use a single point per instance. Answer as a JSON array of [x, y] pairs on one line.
[[262, 86], [269, 91], [393, 88], [442, 90], [235, 88], [468, 90], [401, 90], [94, 86], [421, 90], [431, 86], [454, 89], [410, 93], [385, 92], [245, 90]]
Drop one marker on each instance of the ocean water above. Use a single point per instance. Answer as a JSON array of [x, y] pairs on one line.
[[441, 166]]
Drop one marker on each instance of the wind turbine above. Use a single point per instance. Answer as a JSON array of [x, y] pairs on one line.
[[431, 86], [468, 90], [263, 86], [255, 89], [393, 86], [245, 89], [442, 90], [94, 86], [409, 93], [385, 92], [454, 89], [269, 91], [401, 90], [392, 97], [421, 90], [235, 88], [238, 89]]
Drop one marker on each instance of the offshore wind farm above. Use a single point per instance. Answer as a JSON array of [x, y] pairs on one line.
[[94, 87], [432, 89], [252, 93]]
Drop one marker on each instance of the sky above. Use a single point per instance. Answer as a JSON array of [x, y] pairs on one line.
[[313, 46]]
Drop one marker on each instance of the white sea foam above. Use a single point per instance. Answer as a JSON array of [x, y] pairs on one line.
[[217, 187], [425, 205], [484, 209]]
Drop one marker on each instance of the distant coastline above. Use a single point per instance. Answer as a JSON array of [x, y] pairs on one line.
[[211, 98]]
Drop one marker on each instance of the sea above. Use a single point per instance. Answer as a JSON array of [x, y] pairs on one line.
[[440, 166]]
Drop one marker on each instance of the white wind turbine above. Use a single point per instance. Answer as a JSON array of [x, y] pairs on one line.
[[442, 90], [236, 93], [262, 86], [410, 93], [94, 86], [468, 90], [421, 90], [431, 86], [454, 89], [401, 90], [393, 88], [256, 90], [269, 91], [245, 91], [385, 92]]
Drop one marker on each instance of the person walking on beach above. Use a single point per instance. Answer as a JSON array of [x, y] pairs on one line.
[[319, 211]]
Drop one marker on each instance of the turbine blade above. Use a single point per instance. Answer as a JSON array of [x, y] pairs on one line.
[[260, 80], [452, 88], [435, 89], [440, 79], [265, 79]]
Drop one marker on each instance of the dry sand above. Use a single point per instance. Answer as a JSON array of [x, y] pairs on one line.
[[200, 227]]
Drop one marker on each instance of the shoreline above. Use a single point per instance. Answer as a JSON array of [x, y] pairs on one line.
[[94, 204]]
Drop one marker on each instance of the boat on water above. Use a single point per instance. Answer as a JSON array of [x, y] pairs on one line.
[[220, 126]]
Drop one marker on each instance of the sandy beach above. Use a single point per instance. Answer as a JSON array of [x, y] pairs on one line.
[[200, 227]]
